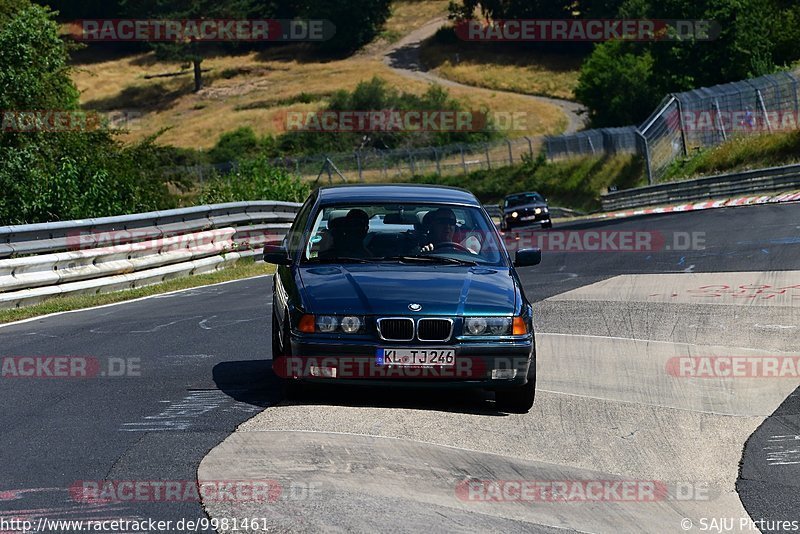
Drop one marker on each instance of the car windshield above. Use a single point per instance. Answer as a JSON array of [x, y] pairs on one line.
[[521, 200], [405, 233]]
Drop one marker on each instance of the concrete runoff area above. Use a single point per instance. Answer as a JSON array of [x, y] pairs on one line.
[[777, 288], [622, 396]]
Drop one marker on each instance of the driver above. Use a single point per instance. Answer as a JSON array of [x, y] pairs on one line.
[[441, 227]]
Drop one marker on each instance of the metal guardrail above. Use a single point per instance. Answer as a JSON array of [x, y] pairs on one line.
[[773, 179], [39, 261]]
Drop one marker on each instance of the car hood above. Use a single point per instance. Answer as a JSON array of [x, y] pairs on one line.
[[390, 289], [525, 207]]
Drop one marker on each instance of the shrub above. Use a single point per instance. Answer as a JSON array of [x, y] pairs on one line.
[[255, 179]]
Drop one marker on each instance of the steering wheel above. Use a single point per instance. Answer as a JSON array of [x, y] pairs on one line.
[[454, 245]]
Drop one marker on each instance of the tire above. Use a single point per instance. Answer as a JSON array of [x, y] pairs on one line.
[[548, 224], [276, 344], [292, 389], [518, 400]]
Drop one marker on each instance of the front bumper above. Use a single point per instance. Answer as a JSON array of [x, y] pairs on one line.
[[355, 362], [526, 219]]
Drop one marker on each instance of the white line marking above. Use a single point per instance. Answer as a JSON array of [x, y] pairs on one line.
[[654, 341], [39, 317]]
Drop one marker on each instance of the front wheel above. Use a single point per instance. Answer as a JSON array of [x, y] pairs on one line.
[[276, 342], [518, 400], [292, 388]]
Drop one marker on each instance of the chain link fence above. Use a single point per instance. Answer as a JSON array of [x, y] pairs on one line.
[[383, 165], [593, 142], [686, 122]]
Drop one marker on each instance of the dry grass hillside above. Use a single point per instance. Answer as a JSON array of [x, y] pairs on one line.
[[255, 89]]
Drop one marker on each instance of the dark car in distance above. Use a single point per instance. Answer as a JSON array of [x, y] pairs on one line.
[[525, 209], [402, 285]]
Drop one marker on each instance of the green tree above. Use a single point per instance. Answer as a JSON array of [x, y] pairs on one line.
[[34, 70], [66, 175], [616, 65], [754, 39], [194, 51], [357, 21]]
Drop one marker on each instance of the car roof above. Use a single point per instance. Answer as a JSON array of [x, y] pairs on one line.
[[434, 194]]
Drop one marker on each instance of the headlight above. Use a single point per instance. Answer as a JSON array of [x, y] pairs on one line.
[[515, 214], [500, 326], [489, 326], [547, 210], [538, 211], [327, 324], [331, 324], [351, 325], [476, 326]]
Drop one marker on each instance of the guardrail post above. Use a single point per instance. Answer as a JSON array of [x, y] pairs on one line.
[[463, 159], [530, 145], [488, 160], [438, 163], [510, 153], [591, 145], [385, 170]]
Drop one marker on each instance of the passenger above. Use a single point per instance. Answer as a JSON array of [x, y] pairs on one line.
[[348, 241]]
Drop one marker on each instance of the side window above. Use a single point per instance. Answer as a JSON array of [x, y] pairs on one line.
[[294, 238]]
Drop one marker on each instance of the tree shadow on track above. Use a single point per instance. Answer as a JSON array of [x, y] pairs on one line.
[[254, 383]]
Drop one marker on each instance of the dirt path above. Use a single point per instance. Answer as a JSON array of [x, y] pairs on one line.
[[404, 58]]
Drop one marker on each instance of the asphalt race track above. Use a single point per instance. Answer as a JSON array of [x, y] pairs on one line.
[[612, 408]]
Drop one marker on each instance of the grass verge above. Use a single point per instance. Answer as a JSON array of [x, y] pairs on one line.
[[246, 268], [741, 153], [502, 66], [575, 184]]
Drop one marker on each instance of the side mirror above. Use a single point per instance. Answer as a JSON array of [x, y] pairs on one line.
[[276, 254], [528, 257]]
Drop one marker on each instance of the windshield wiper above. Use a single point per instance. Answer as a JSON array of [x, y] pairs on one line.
[[342, 259], [430, 259]]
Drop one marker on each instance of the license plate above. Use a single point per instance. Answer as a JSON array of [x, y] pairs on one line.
[[528, 218], [416, 357]]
